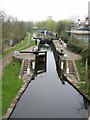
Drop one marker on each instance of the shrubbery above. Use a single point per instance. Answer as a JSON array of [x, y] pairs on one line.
[[75, 45]]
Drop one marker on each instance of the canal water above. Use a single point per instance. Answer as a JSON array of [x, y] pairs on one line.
[[47, 97]]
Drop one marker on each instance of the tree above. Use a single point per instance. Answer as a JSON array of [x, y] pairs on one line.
[[62, 26], [86, 61], [29, 26], [50, 26], [12, 29], [41, 24]]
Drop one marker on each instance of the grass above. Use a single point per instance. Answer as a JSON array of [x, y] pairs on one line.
[[82, 83], [32, 43], [10, 84], [18, 46], [83, 88], [81, 69]]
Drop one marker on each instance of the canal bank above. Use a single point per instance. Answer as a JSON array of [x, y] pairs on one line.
[[47, 96], [69, 71], [20, 91], [73, 77], [30, 55]]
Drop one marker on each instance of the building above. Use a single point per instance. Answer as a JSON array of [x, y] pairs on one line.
[[81, 30], [89, 10]]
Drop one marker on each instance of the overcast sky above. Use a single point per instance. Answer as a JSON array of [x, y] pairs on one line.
[[34, 10]]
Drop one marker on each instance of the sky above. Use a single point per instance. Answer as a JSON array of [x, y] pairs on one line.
[[38, 10]]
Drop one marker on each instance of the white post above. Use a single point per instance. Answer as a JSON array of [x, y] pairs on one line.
[[45, 32], [67, 70], [28, 71], [33, 65], [61, 65]]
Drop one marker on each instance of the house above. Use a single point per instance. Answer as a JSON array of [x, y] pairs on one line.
[[81, 31]]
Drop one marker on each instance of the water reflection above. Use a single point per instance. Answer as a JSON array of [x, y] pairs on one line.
[[47, 97]]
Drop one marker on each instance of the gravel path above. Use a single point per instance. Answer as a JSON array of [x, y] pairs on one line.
[[6, 60], [70, 55]]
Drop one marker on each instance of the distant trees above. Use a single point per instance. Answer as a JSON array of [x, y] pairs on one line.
[[41, 24], [13, 29], [62, 26], [51, 24], [29, 26], [58, 27]]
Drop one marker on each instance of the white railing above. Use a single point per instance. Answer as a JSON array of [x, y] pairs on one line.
[[80, 32]]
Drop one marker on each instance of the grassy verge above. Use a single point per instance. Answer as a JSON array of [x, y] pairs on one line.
[[19, 45], [32, 43], [81, 69], [10, 81], [11, 84], [82, 83]]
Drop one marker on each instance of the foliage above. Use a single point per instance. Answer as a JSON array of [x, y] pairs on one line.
[[85, 77], [51, 25], [61, 27], [81, 69], [84, 55], [12, 29], [88, 77], [83, 87], [18, 46], [64, 36], [41, 25], [46, 25], [76, 45], [29, 26]]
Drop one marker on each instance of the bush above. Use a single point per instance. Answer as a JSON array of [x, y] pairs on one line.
[[75, 45], [81, 69]]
